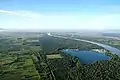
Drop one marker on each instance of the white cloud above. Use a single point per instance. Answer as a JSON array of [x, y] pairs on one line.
[[34, 20], [24, 14], [105, 21]]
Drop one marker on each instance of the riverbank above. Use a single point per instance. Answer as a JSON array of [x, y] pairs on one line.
[[107, 47]]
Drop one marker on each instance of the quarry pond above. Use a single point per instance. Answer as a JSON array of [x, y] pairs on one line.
[[86, 57]]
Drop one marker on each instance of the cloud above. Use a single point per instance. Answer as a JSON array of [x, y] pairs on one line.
[[59, 21], [24, 14], [105, 21]]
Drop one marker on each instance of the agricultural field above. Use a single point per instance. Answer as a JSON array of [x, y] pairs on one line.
[[40, 58], [53, 56], [16, 61]]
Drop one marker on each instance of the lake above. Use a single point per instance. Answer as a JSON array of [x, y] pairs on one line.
[[86, 57]]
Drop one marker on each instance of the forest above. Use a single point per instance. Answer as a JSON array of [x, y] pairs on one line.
[[40, 58]]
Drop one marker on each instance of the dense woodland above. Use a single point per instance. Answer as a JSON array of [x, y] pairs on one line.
[[52, 43], [74, 70], [41, 59]]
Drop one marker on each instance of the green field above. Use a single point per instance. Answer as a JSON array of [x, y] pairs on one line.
[[29, 70], [53, 56]]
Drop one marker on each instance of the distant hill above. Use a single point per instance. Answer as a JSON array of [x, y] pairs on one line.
[[2, 29], [112, 31], [112, 34]]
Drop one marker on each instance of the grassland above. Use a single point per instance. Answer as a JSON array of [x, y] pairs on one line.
[[16, 61], [53, 56], [29, 70]]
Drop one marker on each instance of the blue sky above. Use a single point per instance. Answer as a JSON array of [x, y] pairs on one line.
[[60, 14]]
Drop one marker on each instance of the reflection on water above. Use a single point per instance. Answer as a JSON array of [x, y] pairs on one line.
[[86, 57]]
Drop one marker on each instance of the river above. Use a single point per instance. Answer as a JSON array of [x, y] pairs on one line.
[[107, 47], [110, 48]]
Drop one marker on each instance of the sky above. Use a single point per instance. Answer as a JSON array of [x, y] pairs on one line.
[[60, 14]]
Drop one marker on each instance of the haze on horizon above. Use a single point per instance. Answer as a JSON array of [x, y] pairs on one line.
[[60, 14]]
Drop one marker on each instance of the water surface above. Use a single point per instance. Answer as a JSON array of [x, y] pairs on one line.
[[107, 47], [86, 57]]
